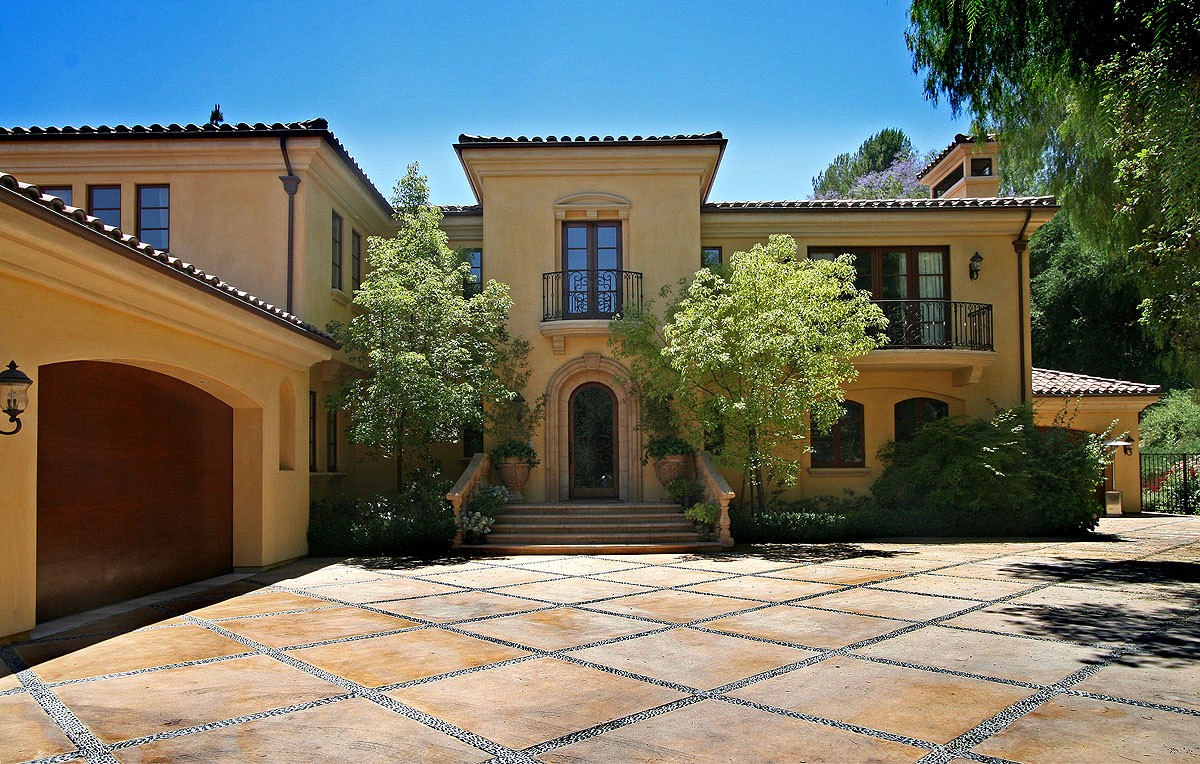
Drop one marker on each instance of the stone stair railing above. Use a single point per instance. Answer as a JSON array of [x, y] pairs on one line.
[[473, 478], [717, 491]]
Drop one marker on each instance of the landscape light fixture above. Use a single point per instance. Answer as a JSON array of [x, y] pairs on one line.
[[14, 393], [976, 260], [1124, 443]]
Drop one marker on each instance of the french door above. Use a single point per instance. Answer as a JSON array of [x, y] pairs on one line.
[[591, 267]]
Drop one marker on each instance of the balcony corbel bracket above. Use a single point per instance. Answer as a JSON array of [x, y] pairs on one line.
[[968, 375]]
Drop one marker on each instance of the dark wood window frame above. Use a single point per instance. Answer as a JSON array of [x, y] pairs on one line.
[[834, 439], [331, 440], [336, 232], [142, 208], [705, 252], [924, 409], [876, 255], [56, 189], [312, 431], [98, 212], [592, 248], [474, 283], [355, 259]]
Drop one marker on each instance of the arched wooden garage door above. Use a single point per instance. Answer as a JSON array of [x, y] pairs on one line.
[[135, 485]]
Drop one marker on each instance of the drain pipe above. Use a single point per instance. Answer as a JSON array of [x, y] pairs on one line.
[[291, 183], [1020, 244]]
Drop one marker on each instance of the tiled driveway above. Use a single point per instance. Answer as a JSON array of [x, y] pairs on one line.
[[1032, 651]]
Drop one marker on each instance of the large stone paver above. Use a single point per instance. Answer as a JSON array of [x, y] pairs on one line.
[[1072, 650]]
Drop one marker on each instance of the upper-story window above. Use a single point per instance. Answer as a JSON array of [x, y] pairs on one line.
[[66, 193], [981, 167], [897, 273], [843, 445], [104, 202], [474, 283], [154, 215], [948, 182], [592, 275], [913, 413], [336, 246], [710, 257], [355, 260]]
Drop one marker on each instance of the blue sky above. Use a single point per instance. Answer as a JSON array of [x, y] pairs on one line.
[[790, 84]]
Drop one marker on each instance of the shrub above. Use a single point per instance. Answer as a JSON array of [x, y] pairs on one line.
[[790, 527], [515, 449], [663, 446], [488, 501], [684, 492], [1002, 476], [417, 521]]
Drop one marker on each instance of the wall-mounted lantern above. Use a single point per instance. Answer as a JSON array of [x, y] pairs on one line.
[[976, 261], [14, 394], [1124, 443]]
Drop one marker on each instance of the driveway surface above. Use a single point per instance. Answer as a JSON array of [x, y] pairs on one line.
[[1028, 651]]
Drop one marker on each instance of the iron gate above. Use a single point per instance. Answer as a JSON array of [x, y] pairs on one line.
[[1171, 483]]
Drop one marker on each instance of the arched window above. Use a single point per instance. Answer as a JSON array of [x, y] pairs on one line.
[[843, 446], [915, 412]]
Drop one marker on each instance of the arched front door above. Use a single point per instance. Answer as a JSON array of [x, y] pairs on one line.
[[593, 442]]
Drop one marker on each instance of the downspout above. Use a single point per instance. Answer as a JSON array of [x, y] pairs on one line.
[[1020, 244], [290, 184]]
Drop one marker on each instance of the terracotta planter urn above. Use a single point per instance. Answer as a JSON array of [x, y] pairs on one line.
[[514, 473], [670, 468]]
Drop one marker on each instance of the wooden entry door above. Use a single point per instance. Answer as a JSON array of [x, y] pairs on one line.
[[592, 440]]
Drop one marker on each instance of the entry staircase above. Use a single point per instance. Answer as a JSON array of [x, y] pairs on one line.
[[592, 527]]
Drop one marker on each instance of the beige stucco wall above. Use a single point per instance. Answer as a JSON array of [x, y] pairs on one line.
[[66, 297], [527, 193]]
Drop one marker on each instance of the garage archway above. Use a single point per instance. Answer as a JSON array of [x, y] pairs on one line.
[[135, 485]]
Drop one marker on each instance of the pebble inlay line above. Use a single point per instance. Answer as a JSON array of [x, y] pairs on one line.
[[90, 747]]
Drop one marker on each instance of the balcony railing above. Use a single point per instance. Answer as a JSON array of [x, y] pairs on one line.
[[594, 294], [937, 324]]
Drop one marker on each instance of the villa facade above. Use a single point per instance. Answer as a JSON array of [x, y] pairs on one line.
[[177, 425]]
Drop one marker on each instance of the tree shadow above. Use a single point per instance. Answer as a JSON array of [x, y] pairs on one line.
[[799, 553], [1166, 636]]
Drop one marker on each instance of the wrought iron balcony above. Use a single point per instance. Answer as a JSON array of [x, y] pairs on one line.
[[937, 324], [588, 294]]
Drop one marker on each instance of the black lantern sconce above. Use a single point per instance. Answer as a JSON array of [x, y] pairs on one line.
[[14, 395], [976, 261], [1124, 443]]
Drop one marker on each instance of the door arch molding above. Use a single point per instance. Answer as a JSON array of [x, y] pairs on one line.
[[591, 367]]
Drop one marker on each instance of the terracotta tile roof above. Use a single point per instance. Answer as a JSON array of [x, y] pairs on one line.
[[318, 127], [960, 138], [885, 204], [462, 209], [608, 140], [92, 227], [1069, 384]]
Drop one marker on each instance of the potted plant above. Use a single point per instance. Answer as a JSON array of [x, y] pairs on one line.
[[671, 456], [511, 421], [669, 452], [704, 516], [514, 459]]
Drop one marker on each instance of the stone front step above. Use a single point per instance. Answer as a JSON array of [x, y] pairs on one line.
[[588, 526], [491, 548]]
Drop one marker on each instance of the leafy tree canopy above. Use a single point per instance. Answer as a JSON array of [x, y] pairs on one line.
[[1173, 424], [425, 354], [1084, 312], [885, 166], [1098, 103], [753, 351]]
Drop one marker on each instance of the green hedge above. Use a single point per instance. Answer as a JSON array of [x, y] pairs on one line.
[[989, 477], [419, 521]]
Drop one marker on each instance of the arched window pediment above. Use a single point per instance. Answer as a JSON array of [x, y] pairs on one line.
[[592, 205]]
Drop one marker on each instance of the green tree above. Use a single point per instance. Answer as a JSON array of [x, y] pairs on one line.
[[1172, 424], [754, 351], [1084, 311], [1099, 104], [889, 149], [425, 354]]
